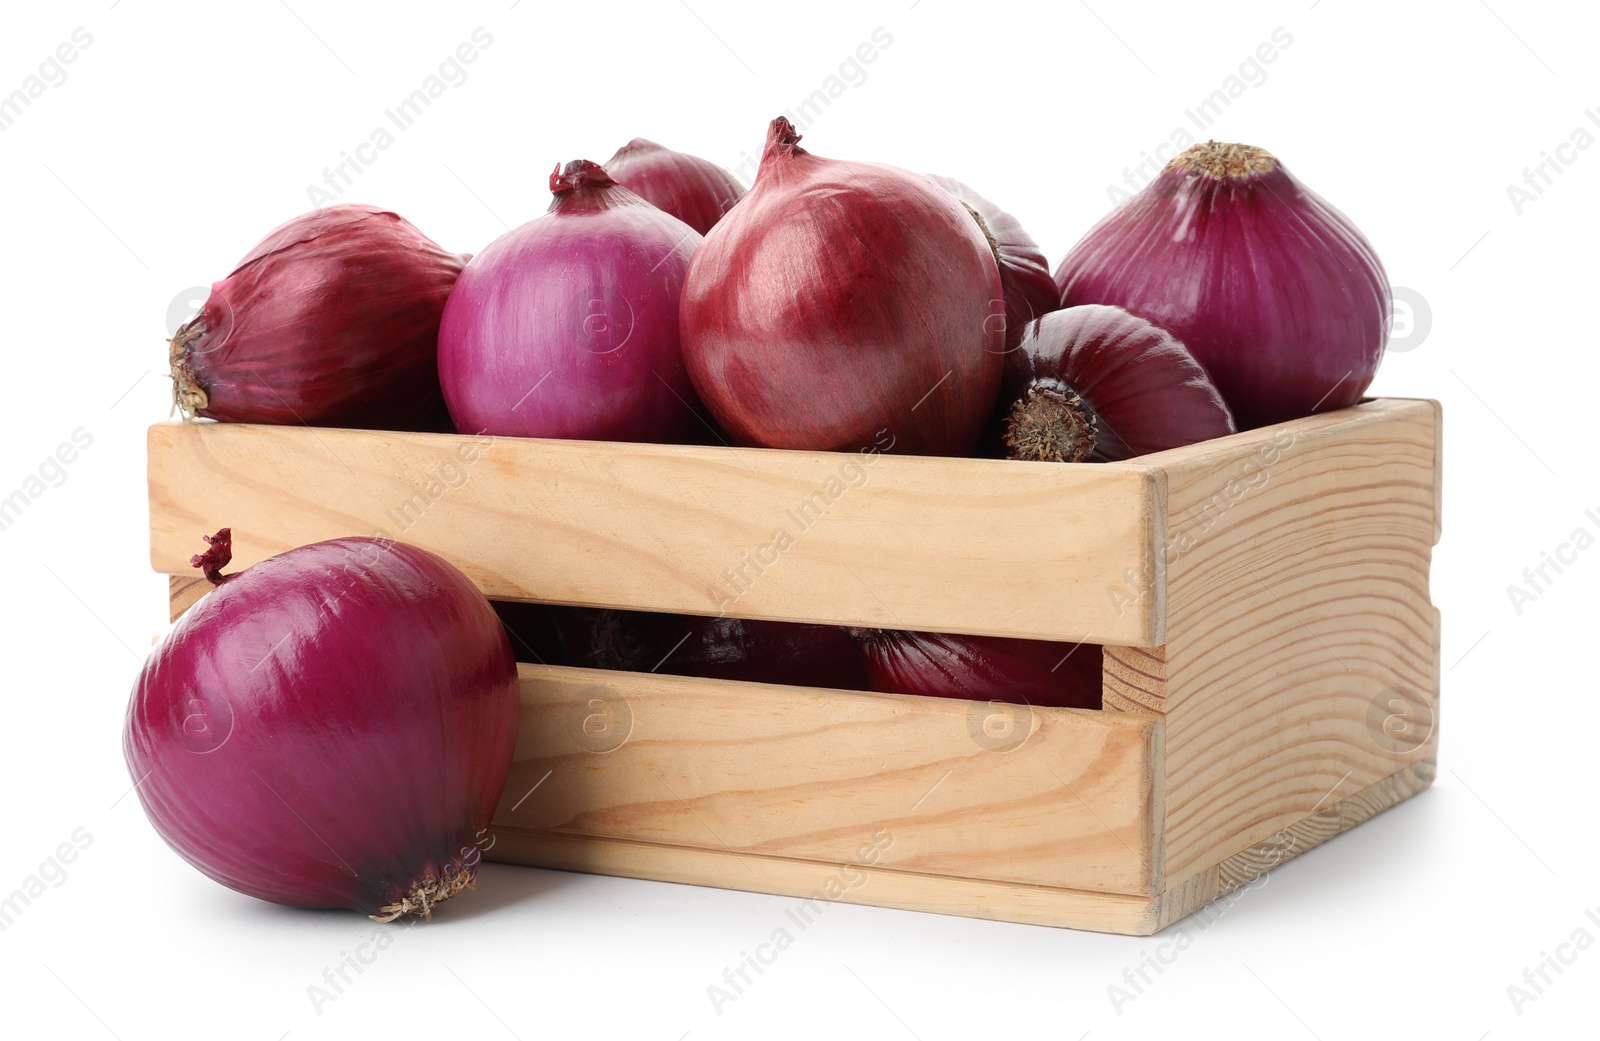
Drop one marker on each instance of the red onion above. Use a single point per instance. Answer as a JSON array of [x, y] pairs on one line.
[[329, 728], [716, 648], [1272, 290], [840, 300], [982, 668], [333, 320], [693, 190], [1094, 383], [568, 326], [1025, 280]]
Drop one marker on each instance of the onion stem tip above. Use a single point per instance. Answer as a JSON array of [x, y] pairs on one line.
[[215, 558]]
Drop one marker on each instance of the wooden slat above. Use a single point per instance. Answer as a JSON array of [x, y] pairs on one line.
[[1057, 797], [1297, 609], [817, 884], [953, 545]]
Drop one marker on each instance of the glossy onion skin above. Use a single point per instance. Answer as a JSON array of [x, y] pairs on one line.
[[694, 190], [982, 668], [1146, 390], [1274, 292], [332, 320], [742, 649], [567, 327], [839, 300], [1029, 289], [329, 727]]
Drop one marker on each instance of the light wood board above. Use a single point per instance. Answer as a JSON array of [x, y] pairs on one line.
[[814, 885], [1048, 796], [1297, 610], [184, 591], [947, 545]]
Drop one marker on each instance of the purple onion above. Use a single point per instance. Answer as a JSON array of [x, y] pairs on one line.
[[329, 728], [982, 668], [694, 190], [841, 302], [1025, 281], [567, 327], [331, 320], [1097, 384], [1274, 292]]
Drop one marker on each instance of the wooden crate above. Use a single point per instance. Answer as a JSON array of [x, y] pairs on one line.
[[1271, 676]]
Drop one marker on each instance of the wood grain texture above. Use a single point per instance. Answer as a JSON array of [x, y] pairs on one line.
[[184, 591], [1272, 679], [1297, 611], [817, 884], [952, 545], [1058, 797], [1336, 819], [1245, 867]]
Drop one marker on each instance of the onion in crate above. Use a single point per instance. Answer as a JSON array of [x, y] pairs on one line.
[[842, 300], [332, 320], [694, 190], [982, 668], [1028, 288], [1276, 293], [567, 327], [1097, 384]]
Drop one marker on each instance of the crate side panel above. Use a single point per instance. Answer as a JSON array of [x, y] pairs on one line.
[[953, 545], [1302, 653], [1250, 868], [1055, 797]]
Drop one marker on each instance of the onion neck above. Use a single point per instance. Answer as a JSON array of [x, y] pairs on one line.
[[1222, 161], [783, 141], [1050, 423], [579, 174], [217, 557], [585, 187]]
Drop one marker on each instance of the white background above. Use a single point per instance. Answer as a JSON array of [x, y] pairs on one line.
[[186, 130]]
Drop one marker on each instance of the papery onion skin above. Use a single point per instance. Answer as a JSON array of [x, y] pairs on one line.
[[748, 650], [567, 327], [330, 728], [332, 320], [840, 300], [1139, 389], [694, 190], [1275, 292], [1029, 289], [982, 668]]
